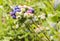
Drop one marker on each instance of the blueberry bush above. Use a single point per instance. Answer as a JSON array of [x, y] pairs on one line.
[[29, 20]]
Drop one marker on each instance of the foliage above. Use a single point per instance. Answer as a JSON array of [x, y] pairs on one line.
[[44, 25]]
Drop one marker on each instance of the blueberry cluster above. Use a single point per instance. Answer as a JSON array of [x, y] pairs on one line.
[[13, 13], [18, 9]]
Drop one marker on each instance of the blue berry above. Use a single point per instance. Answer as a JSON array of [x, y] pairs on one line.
[[32, 11], [18, 10], [16, 7], [12, 13], [14, 16]]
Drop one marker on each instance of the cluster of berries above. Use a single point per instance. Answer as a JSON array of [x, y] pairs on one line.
[[18, 9], [13, 12]]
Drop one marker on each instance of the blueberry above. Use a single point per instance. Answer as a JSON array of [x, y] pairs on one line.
[[18, 10], [16, 7], [32, 11], [14, 16], [12, 13]]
